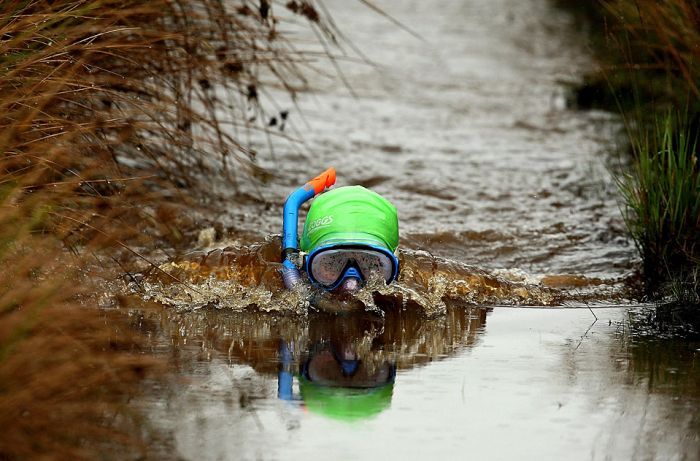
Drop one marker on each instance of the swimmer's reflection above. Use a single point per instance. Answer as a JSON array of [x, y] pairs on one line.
[[281, 346], [340, 375], [326, 366]]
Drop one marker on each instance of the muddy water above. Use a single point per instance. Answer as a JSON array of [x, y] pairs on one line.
[[503, 198], [466, 127], [487, 384], [240, 278], [468, 131]]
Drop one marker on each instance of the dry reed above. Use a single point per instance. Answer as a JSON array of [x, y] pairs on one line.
[[659, 38], [111, 113]]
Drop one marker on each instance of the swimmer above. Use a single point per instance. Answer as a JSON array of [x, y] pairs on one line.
[[350, 236]]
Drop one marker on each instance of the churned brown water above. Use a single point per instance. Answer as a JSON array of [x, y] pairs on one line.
[[247, 278], [504, 198]]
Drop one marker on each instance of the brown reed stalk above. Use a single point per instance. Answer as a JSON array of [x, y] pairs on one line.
[[66, 369], [665, 34], [652, 47], [113, 90], [112, 115]]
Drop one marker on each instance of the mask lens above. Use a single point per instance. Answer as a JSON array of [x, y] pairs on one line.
[[327, 266], [324, 369], [373, 262]]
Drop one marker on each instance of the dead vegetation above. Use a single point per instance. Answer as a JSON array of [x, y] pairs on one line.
[[111, 113]]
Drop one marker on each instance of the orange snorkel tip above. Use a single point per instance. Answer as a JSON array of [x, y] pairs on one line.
[[322, 181]]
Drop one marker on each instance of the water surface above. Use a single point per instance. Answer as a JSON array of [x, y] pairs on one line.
[[491, 384], [468, 131], [503, 197]]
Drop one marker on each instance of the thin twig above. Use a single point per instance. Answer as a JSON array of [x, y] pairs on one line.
[[584, 334], [129, 249]]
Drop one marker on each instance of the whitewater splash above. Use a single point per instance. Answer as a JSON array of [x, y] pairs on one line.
[[247, 278]]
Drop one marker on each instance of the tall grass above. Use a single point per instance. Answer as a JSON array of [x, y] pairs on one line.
[[660, 39], [659, 44], [647, 53], [67, 374], [649, 70], [662, 198], [113, 114], [66, 370]]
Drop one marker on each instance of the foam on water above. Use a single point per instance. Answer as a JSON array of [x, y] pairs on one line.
[[247, 278]]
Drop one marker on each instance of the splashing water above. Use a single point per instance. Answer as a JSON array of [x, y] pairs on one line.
[[247, 278]]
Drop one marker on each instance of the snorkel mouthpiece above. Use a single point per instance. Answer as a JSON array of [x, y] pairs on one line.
[[350, 285], [290, 272]]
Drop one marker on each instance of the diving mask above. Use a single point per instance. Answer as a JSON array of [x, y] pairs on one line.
[[329, 267]]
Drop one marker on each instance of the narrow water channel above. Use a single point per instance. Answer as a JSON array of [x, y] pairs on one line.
[[499, 184], [468, 131]]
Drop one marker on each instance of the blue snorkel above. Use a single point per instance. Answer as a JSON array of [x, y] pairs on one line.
[[290, 223]]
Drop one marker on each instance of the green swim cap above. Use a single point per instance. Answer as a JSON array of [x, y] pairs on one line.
[[348, 215], [343, 403]]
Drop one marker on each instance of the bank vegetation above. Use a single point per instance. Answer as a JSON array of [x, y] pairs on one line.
[[111, 113], [649, 55]]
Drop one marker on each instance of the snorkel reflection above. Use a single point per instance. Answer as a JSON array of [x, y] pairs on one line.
[[346, 370], [342, 375]]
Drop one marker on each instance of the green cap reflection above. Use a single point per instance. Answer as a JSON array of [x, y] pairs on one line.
[[345, 403], [345, 381]]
